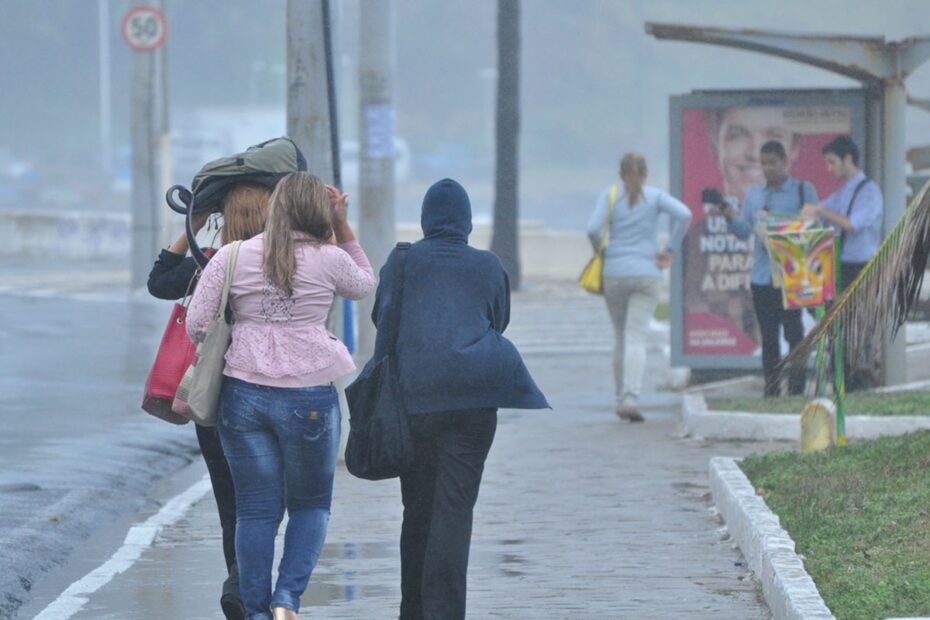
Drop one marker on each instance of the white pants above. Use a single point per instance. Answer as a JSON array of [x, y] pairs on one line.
[[631, 303]]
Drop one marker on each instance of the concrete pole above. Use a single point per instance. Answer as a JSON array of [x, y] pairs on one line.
[[307, 113], [308, 120], [376, 220], [103, 24], [307, 107], [170, 226], [894, 183], [146, 203]]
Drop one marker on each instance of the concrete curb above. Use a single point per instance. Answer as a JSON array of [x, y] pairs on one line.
[[788, 589], [699, 422]]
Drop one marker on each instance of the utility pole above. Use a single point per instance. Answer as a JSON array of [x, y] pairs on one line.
[[103, 35], [164, 138], [307, 111], [146, 201], [505, 238], [377, 229], [308, 114]]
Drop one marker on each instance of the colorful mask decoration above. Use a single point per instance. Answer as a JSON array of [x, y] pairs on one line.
[[805, 264]]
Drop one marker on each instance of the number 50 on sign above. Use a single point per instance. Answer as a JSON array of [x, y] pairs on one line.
[[144, 28]]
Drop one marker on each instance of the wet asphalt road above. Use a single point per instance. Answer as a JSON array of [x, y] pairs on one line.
[[76, 451]]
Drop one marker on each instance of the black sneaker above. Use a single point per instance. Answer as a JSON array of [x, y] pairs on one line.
[[231, 601]]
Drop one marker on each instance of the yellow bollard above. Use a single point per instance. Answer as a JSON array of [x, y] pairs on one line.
[[818, 424]]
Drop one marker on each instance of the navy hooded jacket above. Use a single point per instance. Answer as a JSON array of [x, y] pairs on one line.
[[451, 355]]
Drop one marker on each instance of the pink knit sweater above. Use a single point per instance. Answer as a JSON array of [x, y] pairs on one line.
[[282, 341]]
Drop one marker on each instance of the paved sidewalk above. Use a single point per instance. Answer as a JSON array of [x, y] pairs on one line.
[[580, 515]]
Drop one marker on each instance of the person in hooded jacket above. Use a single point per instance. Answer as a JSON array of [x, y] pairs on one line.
[[456, 369]]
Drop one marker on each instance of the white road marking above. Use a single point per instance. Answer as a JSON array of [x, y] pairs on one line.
[[138, 539]]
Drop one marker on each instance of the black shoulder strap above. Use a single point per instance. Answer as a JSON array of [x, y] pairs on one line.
[[801, 194], [852, 200], [397, 299]]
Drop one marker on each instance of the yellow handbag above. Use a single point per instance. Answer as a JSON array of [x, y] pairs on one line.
[[592, 277]]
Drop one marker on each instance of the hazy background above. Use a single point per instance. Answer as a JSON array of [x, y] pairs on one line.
[[593, 85]]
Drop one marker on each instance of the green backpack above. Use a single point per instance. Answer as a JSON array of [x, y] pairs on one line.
[[262, 164]]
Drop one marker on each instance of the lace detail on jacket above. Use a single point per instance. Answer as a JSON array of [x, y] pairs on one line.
[[275, 335], [277, 350], [353, 275], [276, 306]]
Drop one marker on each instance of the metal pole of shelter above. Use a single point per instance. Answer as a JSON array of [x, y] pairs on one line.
[[894, 362], [883, 68]]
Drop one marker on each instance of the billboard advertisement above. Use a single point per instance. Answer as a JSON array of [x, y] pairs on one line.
[[715, 142]]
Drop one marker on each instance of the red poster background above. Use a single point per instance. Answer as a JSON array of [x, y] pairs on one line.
[[722, 322]]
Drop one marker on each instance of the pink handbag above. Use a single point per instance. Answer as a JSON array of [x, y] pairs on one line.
[[175, 355]]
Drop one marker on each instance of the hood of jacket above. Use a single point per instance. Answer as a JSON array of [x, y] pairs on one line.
[[446, 211]]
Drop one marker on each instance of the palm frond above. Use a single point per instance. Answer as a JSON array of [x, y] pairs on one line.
[[882, 295]]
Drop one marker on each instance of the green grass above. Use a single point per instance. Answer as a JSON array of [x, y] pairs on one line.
[[860, 516], [858, 403]]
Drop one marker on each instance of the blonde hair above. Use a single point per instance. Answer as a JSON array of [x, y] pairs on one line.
[[299, 204], [245, 209], [633, 172]]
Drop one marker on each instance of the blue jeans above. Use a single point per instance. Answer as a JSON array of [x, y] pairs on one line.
[[279, 439]]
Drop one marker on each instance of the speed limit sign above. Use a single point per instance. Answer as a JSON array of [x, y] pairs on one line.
[[144, 28]]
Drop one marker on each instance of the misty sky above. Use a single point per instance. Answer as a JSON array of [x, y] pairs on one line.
[[593, 85]]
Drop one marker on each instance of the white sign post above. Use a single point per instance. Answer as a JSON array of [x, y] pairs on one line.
[[144, 28]]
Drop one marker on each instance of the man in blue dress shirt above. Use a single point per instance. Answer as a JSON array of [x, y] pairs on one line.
[[855, 211], [785, 196]]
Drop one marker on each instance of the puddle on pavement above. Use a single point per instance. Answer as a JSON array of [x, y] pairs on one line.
[[181, 575], [335, 581]]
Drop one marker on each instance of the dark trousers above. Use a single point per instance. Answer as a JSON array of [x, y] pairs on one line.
[[209, 439], [857, 372], [439, 498], [771, 314]]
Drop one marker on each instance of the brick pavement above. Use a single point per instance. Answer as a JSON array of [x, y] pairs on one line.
[[580, 515]]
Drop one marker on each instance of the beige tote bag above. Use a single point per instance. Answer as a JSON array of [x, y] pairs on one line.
[[198, 395]]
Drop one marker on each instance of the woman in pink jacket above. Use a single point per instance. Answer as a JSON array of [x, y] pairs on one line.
[[279, 411]]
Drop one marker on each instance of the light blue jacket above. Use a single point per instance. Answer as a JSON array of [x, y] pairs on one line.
[[632, 242]]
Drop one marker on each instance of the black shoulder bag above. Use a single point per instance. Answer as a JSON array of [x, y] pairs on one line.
[[380, 444]]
